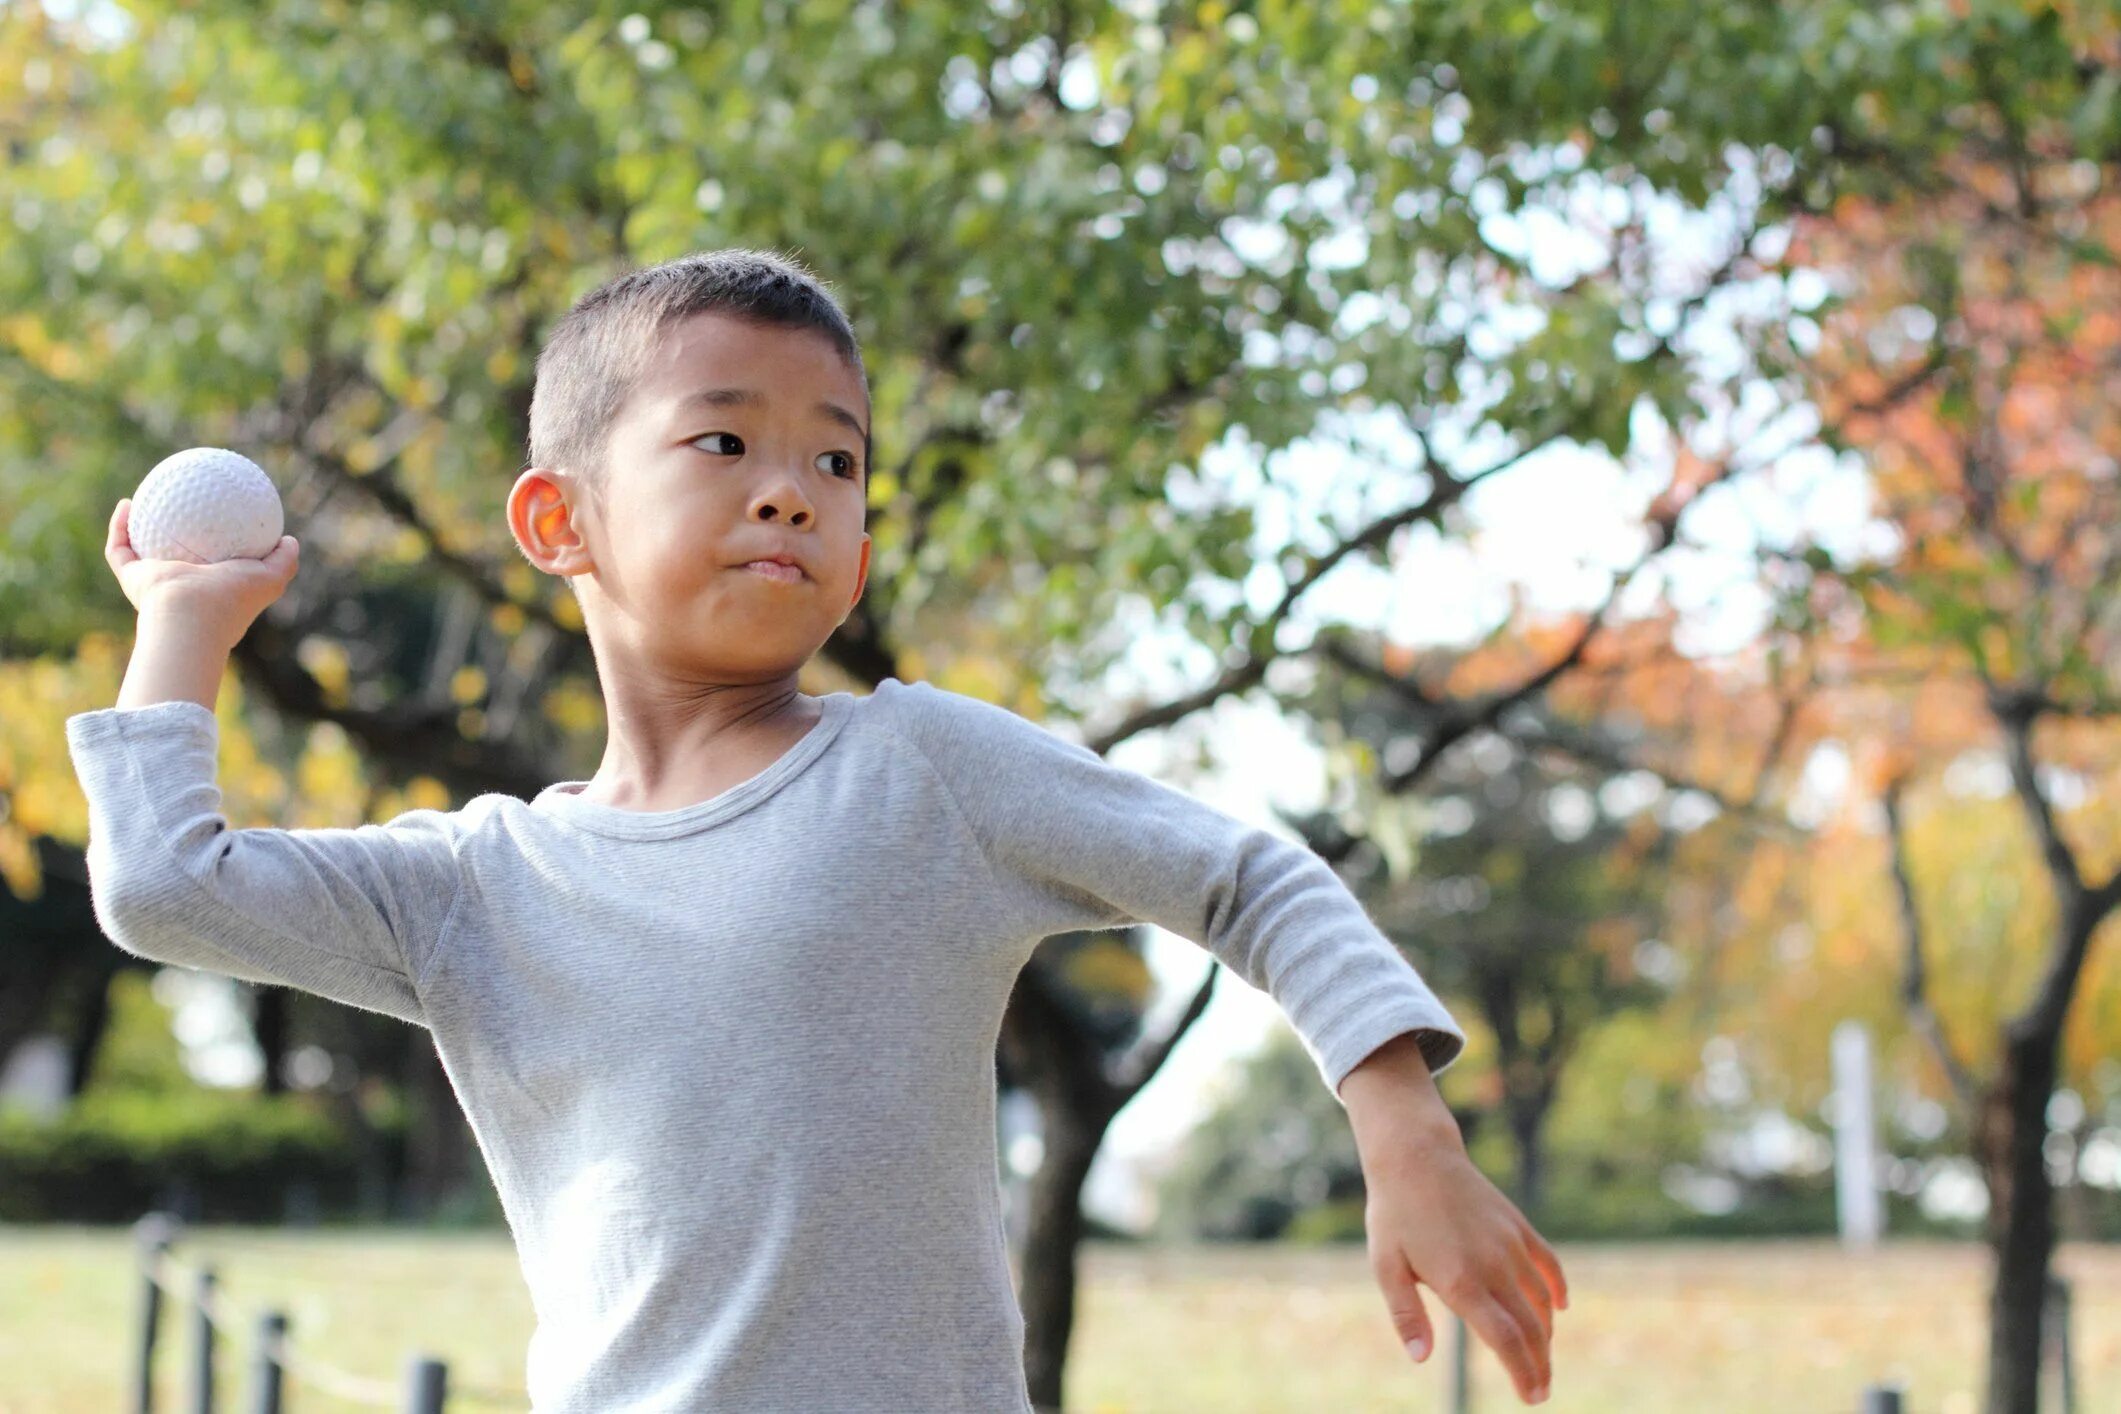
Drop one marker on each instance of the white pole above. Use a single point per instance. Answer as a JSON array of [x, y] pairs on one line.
[[1861, 1213]]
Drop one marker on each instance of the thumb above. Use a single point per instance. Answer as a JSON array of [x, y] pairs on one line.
[[1410, 1319]]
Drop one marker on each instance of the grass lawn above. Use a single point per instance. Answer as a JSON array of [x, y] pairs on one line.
[[1734, 1327]]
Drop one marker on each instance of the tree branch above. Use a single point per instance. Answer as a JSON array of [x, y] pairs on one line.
[[411, 738], [1259, 649], [2015, 714], [1139, 1066], [1914, 993]]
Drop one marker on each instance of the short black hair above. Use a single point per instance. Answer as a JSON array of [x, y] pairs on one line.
[[594, 357]]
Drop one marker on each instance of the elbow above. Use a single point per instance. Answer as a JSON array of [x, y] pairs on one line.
[[138, 918], [137, 905]]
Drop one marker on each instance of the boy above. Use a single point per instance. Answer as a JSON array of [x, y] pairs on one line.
[[723, 1017]]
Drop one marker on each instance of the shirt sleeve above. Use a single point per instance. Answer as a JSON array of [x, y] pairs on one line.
[[350, 914], [1076, 843]]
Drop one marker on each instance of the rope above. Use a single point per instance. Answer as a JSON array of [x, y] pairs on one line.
[[218, 1244], [357, 1389]]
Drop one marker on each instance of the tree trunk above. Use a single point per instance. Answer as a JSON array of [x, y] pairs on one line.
[[1079, 1089], [1530, 1072], [269, 1025], [1527, 1116], [1051, 1236], [86, 1036], [437, 1144], [2020, 1222]]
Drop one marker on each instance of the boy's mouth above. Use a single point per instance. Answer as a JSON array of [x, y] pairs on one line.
[[774, 570]]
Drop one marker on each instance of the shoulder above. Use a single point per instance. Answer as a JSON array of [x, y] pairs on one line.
[[483, 815], [979, 748], [452, 827], [936, 719]]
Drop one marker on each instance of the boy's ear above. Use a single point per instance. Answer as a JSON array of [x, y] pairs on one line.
[[541, 517], [861, 578]]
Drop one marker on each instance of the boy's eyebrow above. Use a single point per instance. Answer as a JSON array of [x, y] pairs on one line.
[[732, 397]]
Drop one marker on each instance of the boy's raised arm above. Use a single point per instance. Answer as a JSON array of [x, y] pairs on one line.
[[350, 914]]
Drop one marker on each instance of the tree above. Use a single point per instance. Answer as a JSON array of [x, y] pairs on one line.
[[1988, 287], [1950, 167]]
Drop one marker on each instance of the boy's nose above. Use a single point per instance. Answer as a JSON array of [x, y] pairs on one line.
[[780, 498]]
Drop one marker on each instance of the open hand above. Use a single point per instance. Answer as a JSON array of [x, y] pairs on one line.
[[1433, 1218], [221, 600]]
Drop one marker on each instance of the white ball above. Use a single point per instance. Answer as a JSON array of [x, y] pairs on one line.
[[205, 504]]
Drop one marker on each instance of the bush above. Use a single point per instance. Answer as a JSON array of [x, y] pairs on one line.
[[1338, 1221], [226, 1156]]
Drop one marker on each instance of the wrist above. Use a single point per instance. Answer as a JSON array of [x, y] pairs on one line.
[[1391, 1097], [175, 657], [175, 625]]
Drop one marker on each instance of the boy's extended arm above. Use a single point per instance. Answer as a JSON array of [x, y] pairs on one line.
[[1075, 842], [351, 914]]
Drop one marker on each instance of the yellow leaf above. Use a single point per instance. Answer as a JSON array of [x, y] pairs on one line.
[[1109, 968], [426, 793], [326, 661], [573, 707], [18, 862]]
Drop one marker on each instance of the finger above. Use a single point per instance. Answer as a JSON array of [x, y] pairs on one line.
[[282, 557], [1527, 1348], [1532, 1282], [1549, 1264], [1512, 1344], [1410, 1320], [118, 544]]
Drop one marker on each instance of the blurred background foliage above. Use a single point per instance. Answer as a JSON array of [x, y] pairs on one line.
[[1189, 328]]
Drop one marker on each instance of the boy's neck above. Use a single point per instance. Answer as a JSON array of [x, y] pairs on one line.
[[665, 748]]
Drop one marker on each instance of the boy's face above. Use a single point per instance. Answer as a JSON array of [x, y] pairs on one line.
[[695, 487]]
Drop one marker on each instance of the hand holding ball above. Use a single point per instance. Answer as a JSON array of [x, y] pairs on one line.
[[199, 545], [206, 504]]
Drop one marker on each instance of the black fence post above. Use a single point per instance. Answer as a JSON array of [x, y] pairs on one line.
[[266, 1375], [426, 1385], [2056, 1319], [1882, 1399], [1461, 1352], [153, 1234], [202, 1388]]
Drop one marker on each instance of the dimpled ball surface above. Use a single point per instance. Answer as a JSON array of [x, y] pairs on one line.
[[205, 504]]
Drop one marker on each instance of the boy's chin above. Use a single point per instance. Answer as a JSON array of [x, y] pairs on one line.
[[716, 658]]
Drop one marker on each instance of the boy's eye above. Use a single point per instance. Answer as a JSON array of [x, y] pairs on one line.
[[848, 467]]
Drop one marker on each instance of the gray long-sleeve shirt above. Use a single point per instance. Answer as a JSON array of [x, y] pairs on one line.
[[732, 1066]]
